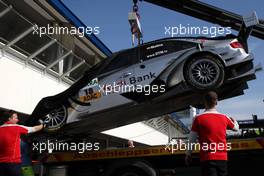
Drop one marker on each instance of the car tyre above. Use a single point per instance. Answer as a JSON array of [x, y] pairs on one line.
[[56, 118], [204, 72]]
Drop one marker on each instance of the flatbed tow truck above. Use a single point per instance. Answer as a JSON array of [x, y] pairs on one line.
[[245, 158], [116, 159]]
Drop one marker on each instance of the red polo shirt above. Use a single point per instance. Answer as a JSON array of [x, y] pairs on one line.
[[211, 130], [10, 142]]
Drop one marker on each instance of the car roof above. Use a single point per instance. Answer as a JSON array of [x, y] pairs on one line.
[[230, 36]]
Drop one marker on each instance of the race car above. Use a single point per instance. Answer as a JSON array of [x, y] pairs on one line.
[[150, 80]]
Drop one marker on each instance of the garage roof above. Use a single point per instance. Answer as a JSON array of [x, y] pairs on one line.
[[65, 57]]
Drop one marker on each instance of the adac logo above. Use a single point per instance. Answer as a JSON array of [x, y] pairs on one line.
[[89, 97]]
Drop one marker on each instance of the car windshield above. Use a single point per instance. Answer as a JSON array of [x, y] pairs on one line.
[[121, 59]]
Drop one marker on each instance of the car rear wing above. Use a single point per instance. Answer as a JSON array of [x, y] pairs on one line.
[[246, 28]]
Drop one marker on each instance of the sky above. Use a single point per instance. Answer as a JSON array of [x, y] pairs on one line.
[[112, 19]]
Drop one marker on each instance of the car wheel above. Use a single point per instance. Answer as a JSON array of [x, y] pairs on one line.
[[204, 72], [56, 118]]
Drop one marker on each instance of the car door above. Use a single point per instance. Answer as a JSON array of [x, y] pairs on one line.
[[105, 91], [156, 57], [152, 63]]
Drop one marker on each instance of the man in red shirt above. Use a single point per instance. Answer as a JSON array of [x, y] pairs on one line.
[[210, 129], [10, 131]]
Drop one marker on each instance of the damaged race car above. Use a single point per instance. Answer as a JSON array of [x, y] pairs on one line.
[[150, 80]]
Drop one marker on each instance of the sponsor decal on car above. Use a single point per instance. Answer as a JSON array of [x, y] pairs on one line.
[[89, 97], [90, 92], [139, 79], [93, 83], [155, 46], [157, 53]]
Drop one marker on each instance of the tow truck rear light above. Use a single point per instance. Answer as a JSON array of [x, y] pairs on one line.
[[236, 45]]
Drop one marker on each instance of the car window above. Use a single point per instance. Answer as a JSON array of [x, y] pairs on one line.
[[122, 59], [156, 49]]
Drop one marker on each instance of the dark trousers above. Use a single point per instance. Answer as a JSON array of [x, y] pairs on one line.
[[214, 168], [10, 169]]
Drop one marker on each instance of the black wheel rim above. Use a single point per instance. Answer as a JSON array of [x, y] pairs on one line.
[[56, 118], [204, 72]]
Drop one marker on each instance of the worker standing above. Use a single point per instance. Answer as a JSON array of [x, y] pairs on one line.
[[130, 144], [10, 154], [210, 129]]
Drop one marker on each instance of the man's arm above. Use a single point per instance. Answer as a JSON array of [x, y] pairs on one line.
[[26, 129], [38, 127], [193, 136], [192, 139], [233, 125]]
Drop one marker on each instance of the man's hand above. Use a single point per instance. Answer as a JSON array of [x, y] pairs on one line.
[[236, 126], [42, 123], [188, 160]]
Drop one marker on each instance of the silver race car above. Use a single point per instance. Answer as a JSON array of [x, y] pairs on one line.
[[150, 80]]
